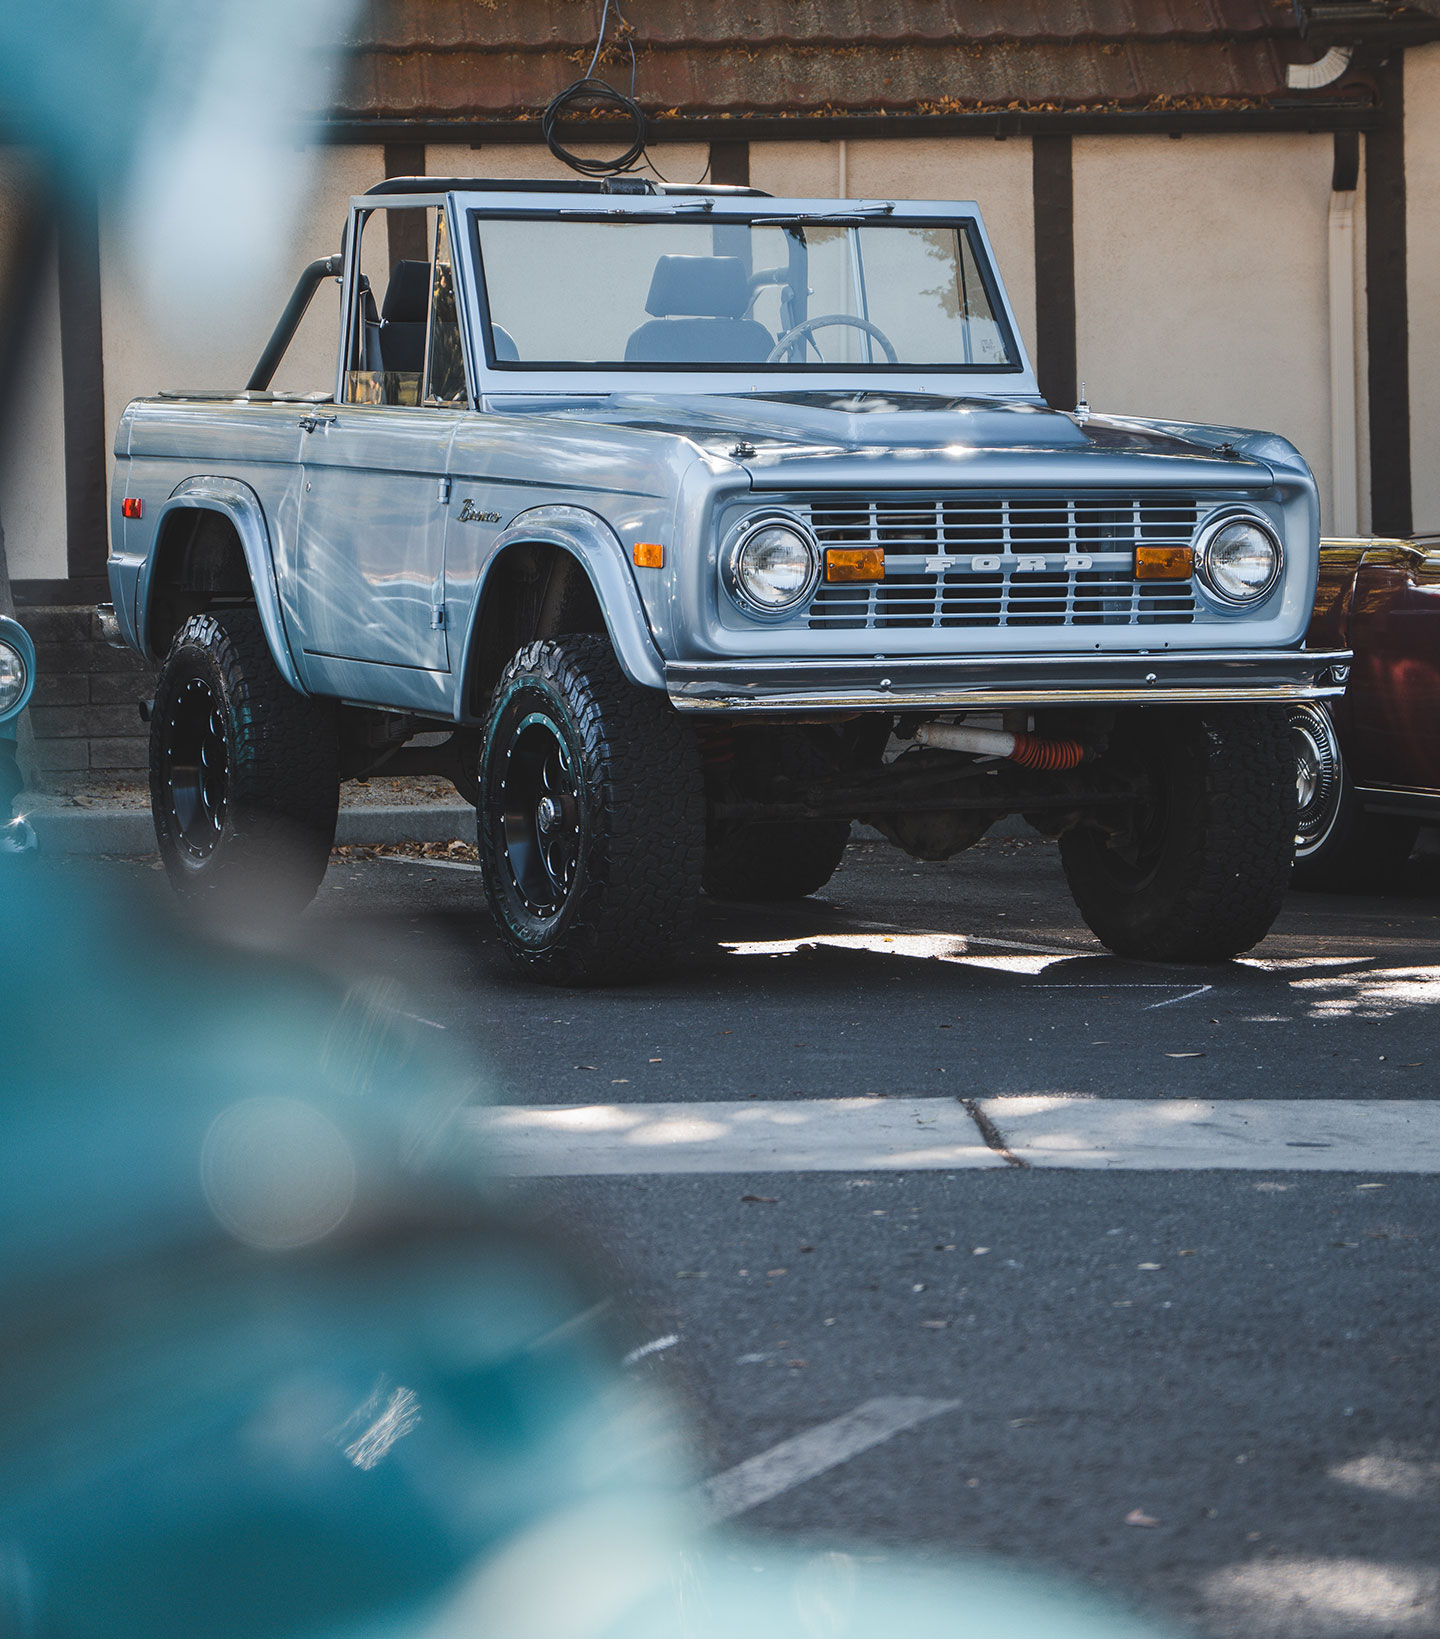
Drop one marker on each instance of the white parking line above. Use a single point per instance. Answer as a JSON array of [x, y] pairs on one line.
[[796, 1460], [939, 1135]]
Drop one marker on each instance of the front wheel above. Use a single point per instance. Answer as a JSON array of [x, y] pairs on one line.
[[1199, 873], [591, 823]]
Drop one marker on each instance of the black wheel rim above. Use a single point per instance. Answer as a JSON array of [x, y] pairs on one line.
[[538, 815], [1317, 777], [196, 768]]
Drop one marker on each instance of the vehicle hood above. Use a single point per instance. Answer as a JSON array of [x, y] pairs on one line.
[[774, 435]]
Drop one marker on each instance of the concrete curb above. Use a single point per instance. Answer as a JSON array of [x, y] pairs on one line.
[[130, 831]]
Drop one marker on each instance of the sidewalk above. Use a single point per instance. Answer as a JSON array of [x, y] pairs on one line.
[[112, 818]]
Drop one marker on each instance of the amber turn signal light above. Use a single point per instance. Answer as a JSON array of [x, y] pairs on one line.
[[855, 563], [1164, 563], [648, 555], [131, 507]]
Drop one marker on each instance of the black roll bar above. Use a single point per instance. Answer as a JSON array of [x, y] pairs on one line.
[[325, 267]]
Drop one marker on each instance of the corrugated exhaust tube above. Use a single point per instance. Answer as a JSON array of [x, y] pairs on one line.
[[1029, 750]]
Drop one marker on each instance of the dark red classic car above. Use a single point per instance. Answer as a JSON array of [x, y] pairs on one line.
[[1369, 763]]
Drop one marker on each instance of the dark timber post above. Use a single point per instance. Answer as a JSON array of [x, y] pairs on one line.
[[1054, 205], [730, 163], [1387, 308], [82, 382], [405, 229]]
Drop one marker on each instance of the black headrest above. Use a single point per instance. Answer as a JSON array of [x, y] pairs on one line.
[[707, 287], [407, 301]]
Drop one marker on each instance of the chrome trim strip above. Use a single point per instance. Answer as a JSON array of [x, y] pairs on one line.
[[971, 699]]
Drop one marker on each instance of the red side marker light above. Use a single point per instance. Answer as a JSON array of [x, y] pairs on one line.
[[132, 506]]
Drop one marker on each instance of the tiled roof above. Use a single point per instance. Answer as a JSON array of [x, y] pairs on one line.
[[502, 60]]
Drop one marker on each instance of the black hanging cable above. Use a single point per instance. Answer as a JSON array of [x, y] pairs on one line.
[[598, 93]]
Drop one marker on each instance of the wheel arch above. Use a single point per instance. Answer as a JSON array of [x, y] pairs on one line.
[[212, 545], [553, 570]]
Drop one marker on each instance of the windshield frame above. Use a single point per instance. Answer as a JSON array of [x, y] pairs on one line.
[[1011, 379]]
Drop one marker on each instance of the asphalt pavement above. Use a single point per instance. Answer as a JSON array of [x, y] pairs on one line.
[[1208, 1391]]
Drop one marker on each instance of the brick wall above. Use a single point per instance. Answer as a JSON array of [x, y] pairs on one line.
[[83, 715]]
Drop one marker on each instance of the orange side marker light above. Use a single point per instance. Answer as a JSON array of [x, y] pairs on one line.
[[132, 506], [648, 555], [854, 563], [1164, 563]]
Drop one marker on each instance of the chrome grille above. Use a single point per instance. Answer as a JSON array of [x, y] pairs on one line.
[[1016, 560]]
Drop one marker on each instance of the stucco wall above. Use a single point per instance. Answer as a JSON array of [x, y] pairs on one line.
[[1201, 281], [32, 472], [1422, 223]]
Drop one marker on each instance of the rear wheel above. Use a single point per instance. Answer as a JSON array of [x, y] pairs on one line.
[[1337, 844], [1200, 873], [244, 778], [591, 818]]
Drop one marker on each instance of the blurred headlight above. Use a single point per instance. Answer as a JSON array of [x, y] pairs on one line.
[[1239, 558], [13, 677], [773, 567]]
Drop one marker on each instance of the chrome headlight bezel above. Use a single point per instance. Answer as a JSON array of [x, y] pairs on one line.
[[17, 653], [741, 537], [1204, 541]]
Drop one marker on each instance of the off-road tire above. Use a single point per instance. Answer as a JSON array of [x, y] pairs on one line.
[[761, 861], [765, 860], [1202, 876], [1341, 848], [244, 826], [625, 782]]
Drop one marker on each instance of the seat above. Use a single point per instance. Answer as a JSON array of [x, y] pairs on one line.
[[698, 303], [402, 318]]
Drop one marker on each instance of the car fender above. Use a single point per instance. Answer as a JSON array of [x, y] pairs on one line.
[[241, 505], [13, 633], [588, 538]]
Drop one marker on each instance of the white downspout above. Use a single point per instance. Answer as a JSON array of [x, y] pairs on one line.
[[1344, 453]]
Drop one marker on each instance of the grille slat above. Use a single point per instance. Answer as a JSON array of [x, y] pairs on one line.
[[920, 591]]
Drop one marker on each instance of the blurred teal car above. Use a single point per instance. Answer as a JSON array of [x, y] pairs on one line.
[[17, 684]]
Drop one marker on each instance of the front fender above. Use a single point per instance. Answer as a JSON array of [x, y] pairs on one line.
[[13, 633], [241, 505], [587, 537]]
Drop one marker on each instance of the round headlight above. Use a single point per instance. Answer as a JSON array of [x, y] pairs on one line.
[[1239, 559], [13, 677], [773, 567]]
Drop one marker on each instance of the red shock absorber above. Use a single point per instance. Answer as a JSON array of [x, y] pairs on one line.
[[1033, 752]]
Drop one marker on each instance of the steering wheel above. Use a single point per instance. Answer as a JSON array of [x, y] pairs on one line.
[[806, 327]]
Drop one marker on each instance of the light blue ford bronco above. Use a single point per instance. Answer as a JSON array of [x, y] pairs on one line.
[[682, 527]]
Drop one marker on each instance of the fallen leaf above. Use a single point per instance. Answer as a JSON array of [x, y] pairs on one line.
[[1138, 1516], [619, 1081], [1149, 1265], [1187, 1251], [1184, 1055], [587, 1066], [657, 1061], [1369, 1186], [767, 1200], [1023, 1422], [979, 1251]]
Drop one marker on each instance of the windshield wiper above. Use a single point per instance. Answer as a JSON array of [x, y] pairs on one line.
[[862, 215]]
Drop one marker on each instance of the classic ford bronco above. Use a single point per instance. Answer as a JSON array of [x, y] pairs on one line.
[[681, 527]]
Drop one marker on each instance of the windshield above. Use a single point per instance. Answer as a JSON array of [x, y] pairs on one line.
[[784, 294]]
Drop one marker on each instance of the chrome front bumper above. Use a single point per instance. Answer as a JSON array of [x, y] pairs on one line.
[[1172, 678]]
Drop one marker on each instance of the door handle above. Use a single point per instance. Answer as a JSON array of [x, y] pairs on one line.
[[308, 423]]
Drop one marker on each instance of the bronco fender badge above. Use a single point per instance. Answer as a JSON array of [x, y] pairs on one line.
[[468, 514]]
